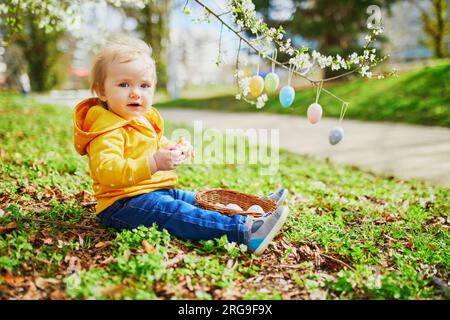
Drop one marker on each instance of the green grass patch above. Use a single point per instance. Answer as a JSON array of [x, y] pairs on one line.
[[350, 234]]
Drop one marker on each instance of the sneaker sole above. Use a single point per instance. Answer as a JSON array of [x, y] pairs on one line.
[[273, 232]]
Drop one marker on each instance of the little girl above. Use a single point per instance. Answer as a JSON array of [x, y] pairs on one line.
[[132, 164]]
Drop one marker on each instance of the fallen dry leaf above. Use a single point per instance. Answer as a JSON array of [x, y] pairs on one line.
[[49, 192], [12, 280], [112, 291], [409, 242], [58, 295], [43, 283], [32, 238], [84, 196], [81, 241], [148, 247], [32, 293], [8, 228], [101, 244], [48, 241]]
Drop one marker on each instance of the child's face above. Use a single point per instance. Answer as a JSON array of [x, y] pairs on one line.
[[128, 88]]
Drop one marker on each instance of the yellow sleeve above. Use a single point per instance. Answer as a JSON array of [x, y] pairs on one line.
[[164, 142], [108, 165]]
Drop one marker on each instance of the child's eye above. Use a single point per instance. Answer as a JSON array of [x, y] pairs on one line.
[[145, 85], [123, 85]]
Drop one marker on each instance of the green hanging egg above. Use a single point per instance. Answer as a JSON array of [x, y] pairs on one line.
[[271, 82]]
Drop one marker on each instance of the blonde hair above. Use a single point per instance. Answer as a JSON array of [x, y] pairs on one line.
[[123, 49]]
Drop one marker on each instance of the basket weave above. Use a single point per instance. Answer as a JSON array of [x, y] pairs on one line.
[[207, 199]]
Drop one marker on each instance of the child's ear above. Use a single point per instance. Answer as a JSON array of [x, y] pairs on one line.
[[100, 91]]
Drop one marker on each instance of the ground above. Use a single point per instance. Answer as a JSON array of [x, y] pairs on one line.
[[350, 234]]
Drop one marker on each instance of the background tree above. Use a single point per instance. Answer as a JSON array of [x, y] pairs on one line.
[[40, 49], [436, 26]]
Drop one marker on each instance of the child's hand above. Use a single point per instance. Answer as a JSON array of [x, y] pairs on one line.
[[165, 160], [186, 148]]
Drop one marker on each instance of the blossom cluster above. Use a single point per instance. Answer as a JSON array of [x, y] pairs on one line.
[[53, 15], [244, 16]]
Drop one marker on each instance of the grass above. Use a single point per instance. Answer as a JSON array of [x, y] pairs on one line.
[[417, 97], [350, 234]]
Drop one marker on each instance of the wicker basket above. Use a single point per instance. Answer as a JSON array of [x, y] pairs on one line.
[[207, 199]]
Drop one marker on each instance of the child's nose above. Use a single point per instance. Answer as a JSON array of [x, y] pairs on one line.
[[134, 93]]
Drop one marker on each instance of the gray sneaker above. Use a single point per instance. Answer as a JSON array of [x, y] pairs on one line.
[[278, 196], [261, 231]]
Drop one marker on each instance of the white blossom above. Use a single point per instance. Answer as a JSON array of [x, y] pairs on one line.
[[366, 54], [354, 58], [324, 61], [335, 66], [341, 62], [284, 47], [301, 61], [315, 55], [378, 31], [272, 32], [364, 72], [244, 84], [248, 6], [261, 101]]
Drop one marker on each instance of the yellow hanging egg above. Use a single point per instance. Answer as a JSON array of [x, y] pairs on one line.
[[256, 85]]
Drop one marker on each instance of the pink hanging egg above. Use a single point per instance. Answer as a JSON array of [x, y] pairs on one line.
[[314, 113]]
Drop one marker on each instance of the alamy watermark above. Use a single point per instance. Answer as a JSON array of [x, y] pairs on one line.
[[374, 20], [233, 146]]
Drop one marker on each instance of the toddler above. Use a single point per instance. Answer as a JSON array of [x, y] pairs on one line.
[[133, 164]]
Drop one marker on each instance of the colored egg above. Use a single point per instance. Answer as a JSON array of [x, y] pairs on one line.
[[233, 206], [287, 95], [255, 208], [314, 113], [336, 135], [218, 204], [271, 82], [256, 85]]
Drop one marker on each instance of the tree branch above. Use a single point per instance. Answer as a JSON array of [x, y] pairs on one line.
[[237, 33]]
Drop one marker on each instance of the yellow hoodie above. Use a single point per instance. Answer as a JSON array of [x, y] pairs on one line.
[[118, 151]]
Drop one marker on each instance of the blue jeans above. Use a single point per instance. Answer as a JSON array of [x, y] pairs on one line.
[[177, 212]]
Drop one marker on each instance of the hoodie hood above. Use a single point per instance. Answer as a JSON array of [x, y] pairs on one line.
[[91, 119]]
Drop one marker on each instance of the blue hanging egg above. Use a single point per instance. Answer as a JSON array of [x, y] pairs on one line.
[[336, 135], [287, 95]]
